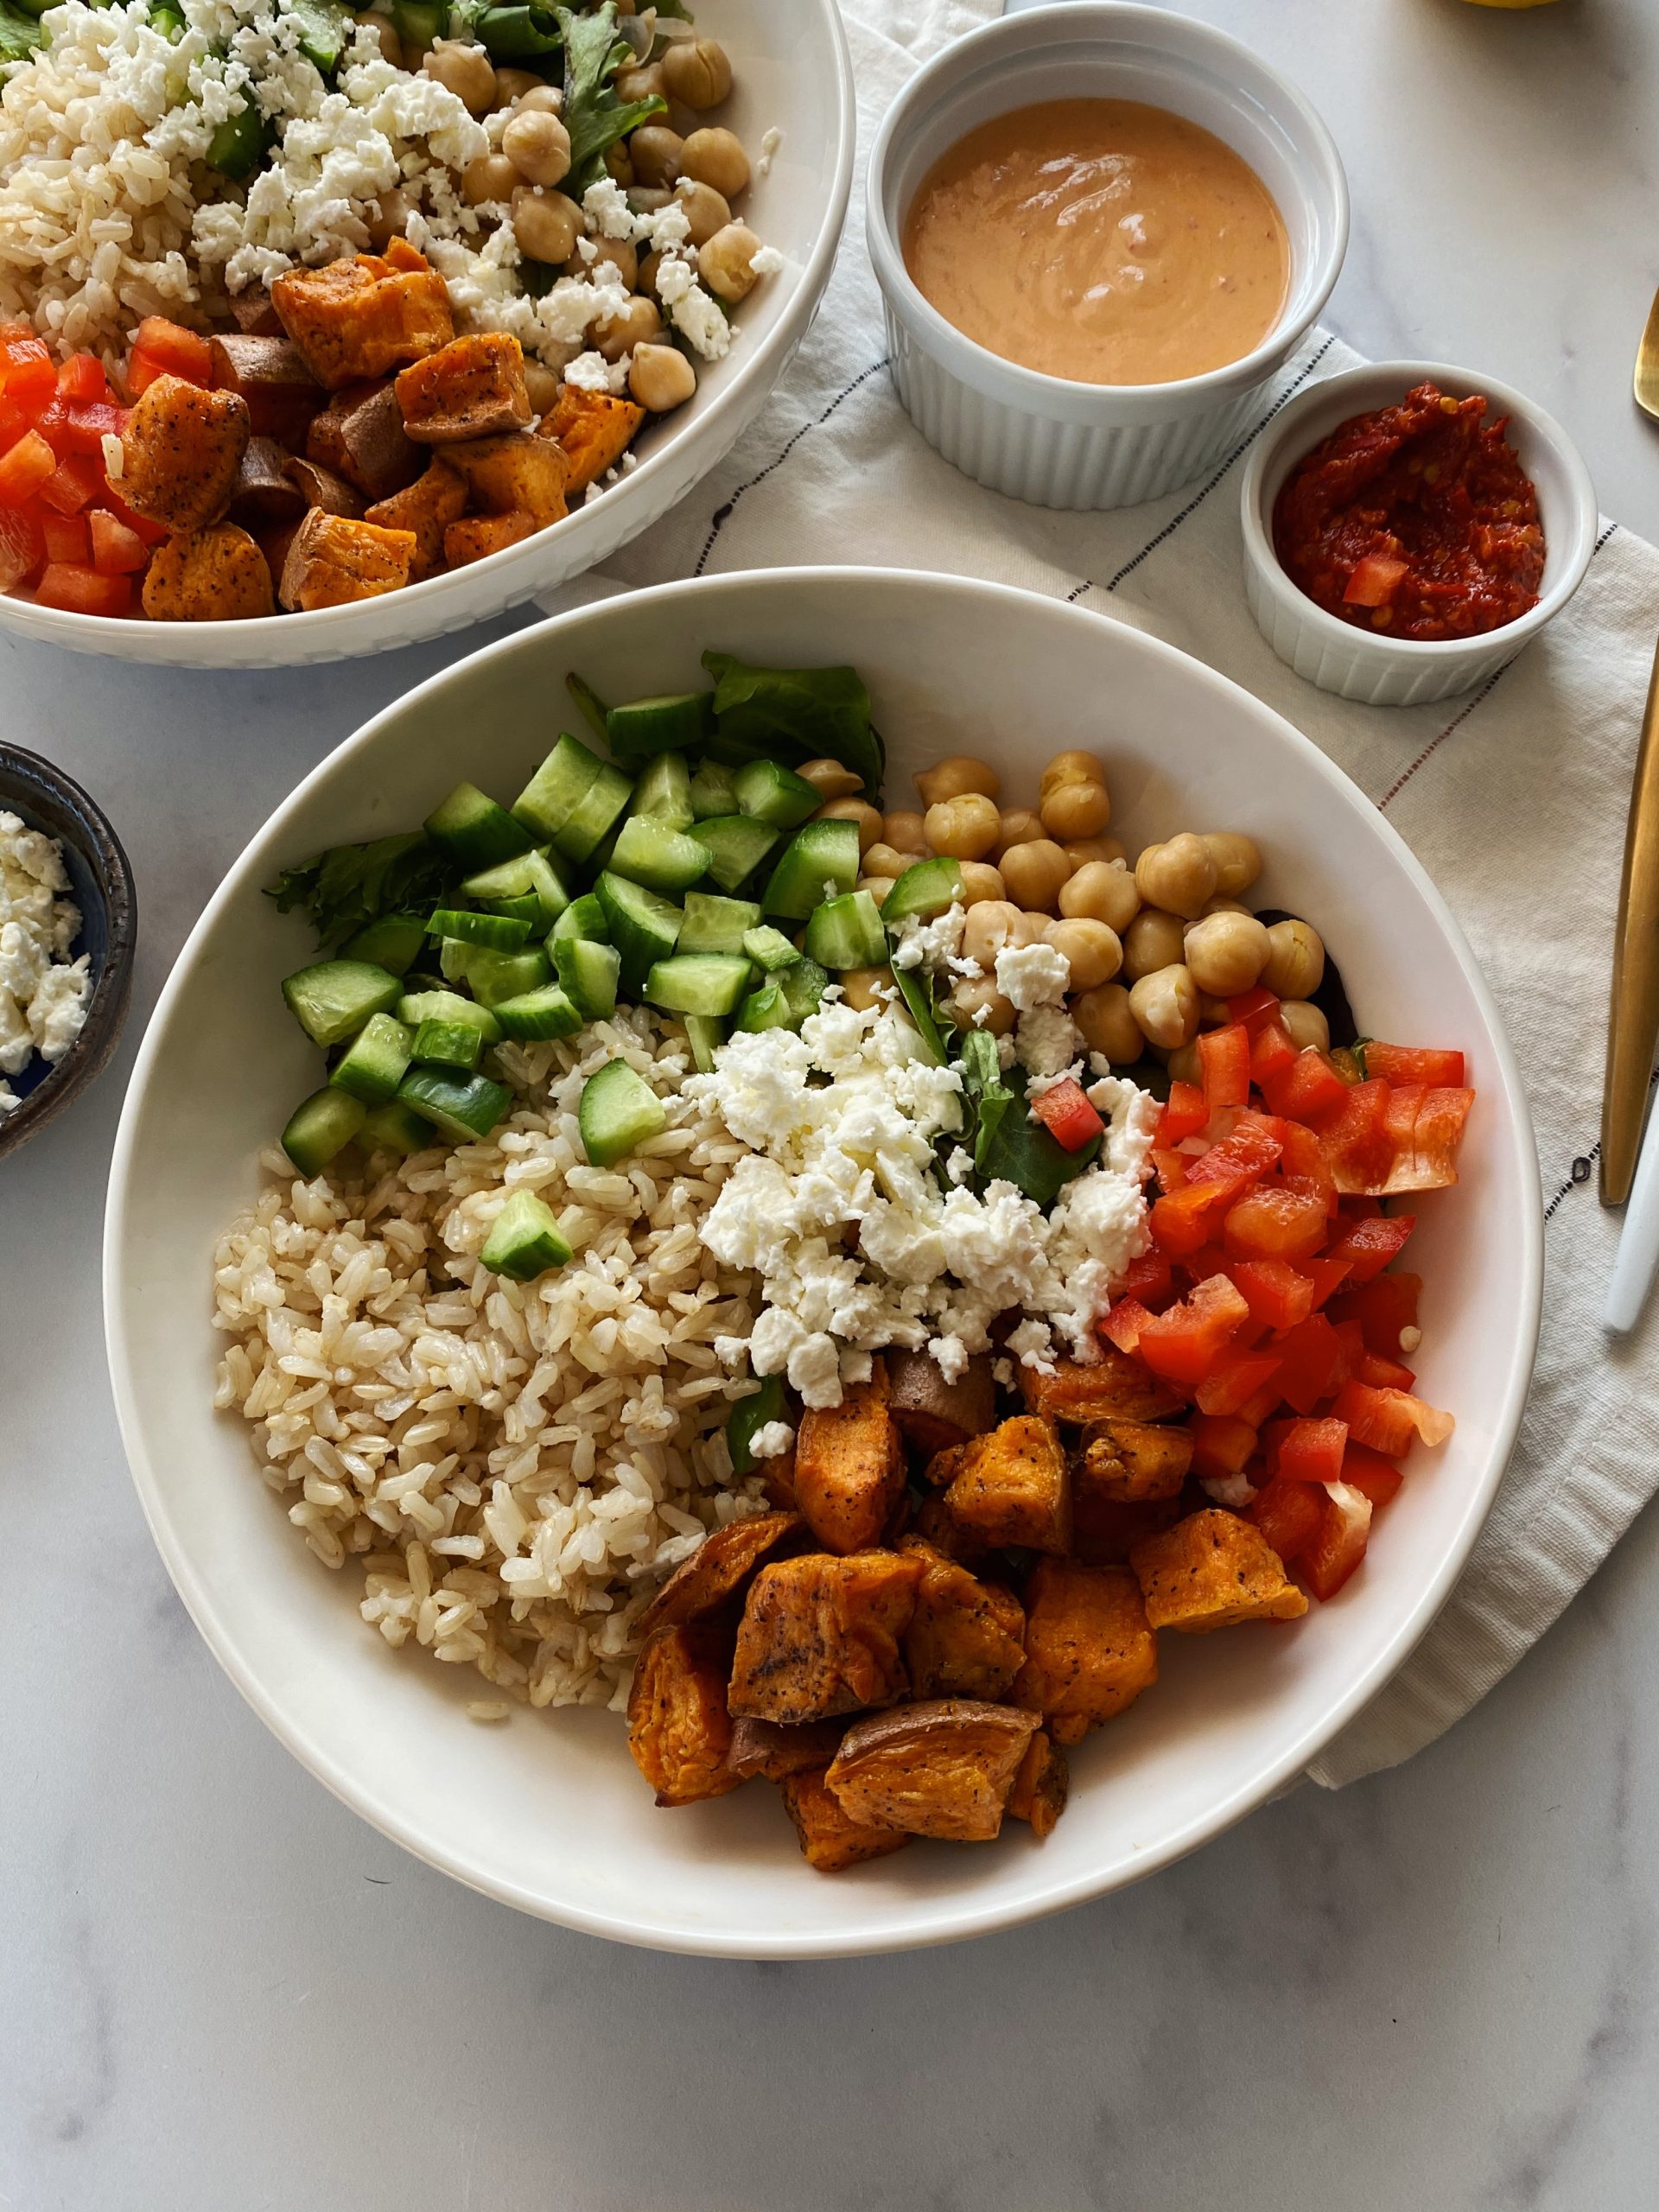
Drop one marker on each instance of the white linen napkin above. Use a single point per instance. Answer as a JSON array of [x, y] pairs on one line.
[[1513, 800]]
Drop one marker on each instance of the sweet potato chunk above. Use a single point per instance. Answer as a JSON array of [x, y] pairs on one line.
[[821, 1636], [849, 1468], [933, 1415], [593, 430], [942, 1768], [215, 575], [1014, 1487], [718, 1570], [1210, 1570], [515, 471], [356, 320], [333, 560], [474, 537], [265, 492], [830, 1838], [764, 1747], [1129, 1460], [473, 387], [1089, 1650], [678, 1730], [427, 507], [965, 1636], [254, 312], [359, 435], [939, 1527], [1042, 1785], [1114, 1387], [1104, 1532], [320, 487], [180, 451], [270, 374], [777, 1474]]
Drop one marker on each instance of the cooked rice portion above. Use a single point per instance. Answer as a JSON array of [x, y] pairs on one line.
[[516, 1465]]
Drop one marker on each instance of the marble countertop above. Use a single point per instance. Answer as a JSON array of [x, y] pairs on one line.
[[1437, 1989]]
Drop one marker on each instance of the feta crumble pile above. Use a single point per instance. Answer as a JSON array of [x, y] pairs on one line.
[[43, 993]]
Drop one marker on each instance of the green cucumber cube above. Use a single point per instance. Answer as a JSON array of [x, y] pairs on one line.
[[333, 999], [551, 796], [394, 942], [675, 722], [714, 792], [421, 1007], [447, 1043], [705, 1035], [767, 1008], [536, 1015], [584, 917], [618, 1111], [374, 1063], [819, 862], [497, 975], [699, 982], [931, 888], [498, 932], [322, 1126], [769, 947], [649, 851], [473, 830], [396, 1127], [590, 973], [737, 845], [524, 1240], [847, 932], [774, 794], [465, 1106], [664, 792], [716, 925]]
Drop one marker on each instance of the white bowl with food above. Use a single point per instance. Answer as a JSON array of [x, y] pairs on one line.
[[626, 241], [1130, 410], [466, 1486]]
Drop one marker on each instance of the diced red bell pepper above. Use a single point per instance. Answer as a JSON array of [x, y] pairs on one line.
[[1326, 1275], [1356, 1138], [21, 547], [1262, 1406], [1150, 1281], [1373, 581], [1067, 1115], [1390, 1421], [67, 537], [1288, 1515], [1275, 1292], [1398, 1064], [13, 422], [1272, 1053], [1338, 1543], [1383, 1374], [1436, 1136], [1170, 1167], [1309, 1089], [1303, 1157], [164, 348], [1356, 1205], [1181, 1345], [117, 550], [1182, 1114], [1315, 1362], [1254, 1008], [1382, 1309], [1208, 1260], [1307, 1451], [74, 481], [1275, 1221], [1124, 1324], [25, 468], [1224, 1056], [1367, 1471], [1236, 1376], [1181, 1218], [80, 590], [1222, 1444], [87, 423], [81, 377], [1370, 1246], [28, 374]]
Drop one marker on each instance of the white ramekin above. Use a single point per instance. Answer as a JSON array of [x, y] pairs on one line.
[[1367, 666], [1045, 439]]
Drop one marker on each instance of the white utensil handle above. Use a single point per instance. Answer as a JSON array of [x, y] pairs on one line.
[[1638, 1240]]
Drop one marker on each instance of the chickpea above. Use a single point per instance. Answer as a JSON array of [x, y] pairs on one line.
[[1076, 810], [877, 886], [619, 165], [907, 832], [1295, 965], [1238, 862], [865, 987], [661, 377], [860, 810], [1186, 1065], [697, 71], [1035, 872], [388, 218], [880, 860], [1091, 950], [540, 100], [968, 1002], [1178, 876], [645, 81], [656, 153], [726, 263], [542, 385], [513, 85], [715, 156], [1101, 891], [1081, 850], [1165, 1004], [545, 224], [384, 32], [491, 176], [636, 324], [955, 777], [1108, 1024], [1075, 768], [623, 256], [829, 780], [1020, 827], [1226, 953], [981, 884], [648, 199], [963, 828], [707, 213], [1220, 905], [1304, 1024], [1152, 941], [538, 146], [466, 71], [648, 269], [990, 925]]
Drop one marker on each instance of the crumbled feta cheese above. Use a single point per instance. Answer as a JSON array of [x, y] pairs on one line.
[[770, 142], [1236, 1490], [693, 312], [768, 262], [43, 993], [605, 206], [1032, 976], [935, 945], [1033, 1346], [1046, 1042], [593, 373], [771, 1440]]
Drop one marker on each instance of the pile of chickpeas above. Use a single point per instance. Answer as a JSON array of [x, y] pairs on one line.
[[1156, 946], [679, 158]]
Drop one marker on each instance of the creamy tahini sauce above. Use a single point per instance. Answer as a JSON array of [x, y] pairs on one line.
[[1100, 240]]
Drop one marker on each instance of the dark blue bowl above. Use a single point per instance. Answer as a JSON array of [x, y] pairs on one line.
[[50, 801]]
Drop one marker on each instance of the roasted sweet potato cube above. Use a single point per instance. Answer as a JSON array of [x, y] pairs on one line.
[[942, 1768], [965, 1637], [180, 453], [945, 1466], [359, 435], [274, 540], [1104, 1532], [765, 1748], [822, 1636], [939, 1527], [270, 374], [933, 1415], [849, 1467], [830, 1838], [1211, 1571], [1015, 1486], [777, 1474], [319, 487], [593, 430], [1125, 1461], [474, 537], [254, 314], [1113, 1387], [515, 471], [1090, 1652], [333, 560], [473, 387], [678, 1730], [265, 492], [215, 575], [1042, 1785], [427, 507], [719, 1570], [356, 320]]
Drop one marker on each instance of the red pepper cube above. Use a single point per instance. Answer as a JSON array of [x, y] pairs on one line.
[[67, 537], [1181, 1345], [1378, 1479], [1389, 1421], [1183, 1115], [21, 547], [1288, 1515], [74, 481], [1150, 1281], [1124, 1324], [1384, 1308], [164, 348], [1237, 1376], [1275, 1221], [1254, 1008], [1307, 1451], [1398, 1064], [1370, 1246], [1358, 1144], [1314, 1363], [1224, 1058], [117, 550], [1276, 1293], [1337, 1544], [1222, 1445], [28, 374], [81, 590], [25, 468], [1065, 1113], [82, 377], [1308, 1091]]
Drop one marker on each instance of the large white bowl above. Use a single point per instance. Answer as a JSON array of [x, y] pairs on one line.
[[794, 75], [549, 1814]]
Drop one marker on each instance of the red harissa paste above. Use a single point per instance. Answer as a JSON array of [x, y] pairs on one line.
[[1417, 520]]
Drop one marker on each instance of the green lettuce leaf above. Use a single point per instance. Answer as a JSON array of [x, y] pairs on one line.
[[21, 36], [350, 886], [595, 117], [797, 714]]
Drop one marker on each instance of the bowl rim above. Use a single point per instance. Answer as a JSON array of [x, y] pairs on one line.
[[312, 629], [1401, 377], [849, 1938], [1111, 21]]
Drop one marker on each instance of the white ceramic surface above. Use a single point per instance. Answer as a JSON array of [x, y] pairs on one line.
[[797, 78], [1044, 439], [1369, 666], [548, 1813]]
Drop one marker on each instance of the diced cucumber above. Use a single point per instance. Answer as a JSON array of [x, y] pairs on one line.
[[462, 1106], [769, 947], [705, 1035], [644, 928], [396, 1127], [649, 851], [618, 1111], [374, 1063], [774, 794], [551, 796], [714, 924], [820, 862], [524, 1240], [392, 943], [767, 1008], [802, 986], [847, 932], [920, 1007], [713, 791], [537, 1014], [593, 814], [749, 1416], [583, 917], [473, 830], [699, 982], [533, 875], [526, 909], [333, 999], [676, 722], [497, 975], [447, 1043], [500, 932], [322, 1126], [421, 1007], [590, 973], [737, 845], [929, 889], [454, 959], [664, 792]]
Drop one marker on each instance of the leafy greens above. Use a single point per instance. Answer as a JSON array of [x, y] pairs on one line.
[[797, 714], [1008, 1146], [21, 36], [350, 886], [594, 114]]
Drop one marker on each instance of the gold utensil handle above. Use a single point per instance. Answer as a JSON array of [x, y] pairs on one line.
[[1633, 1017]]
